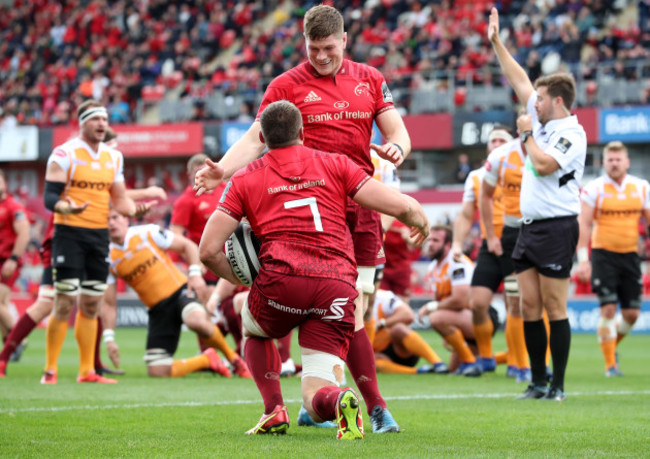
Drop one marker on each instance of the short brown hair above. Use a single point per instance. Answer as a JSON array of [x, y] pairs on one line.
[[90, 103], [322, 21], [615, 146], [281, 122], [446, 229], [559, 85], [196, 160]]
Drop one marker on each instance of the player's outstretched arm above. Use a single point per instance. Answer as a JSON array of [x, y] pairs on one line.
[[215, 234], [151, 192], [242, 152], [377, 196], [516, 75]]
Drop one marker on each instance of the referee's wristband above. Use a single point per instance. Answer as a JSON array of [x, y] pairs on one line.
[[108, 335], [401, 150]]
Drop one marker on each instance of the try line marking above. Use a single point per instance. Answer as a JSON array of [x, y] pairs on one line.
[[127, 406]]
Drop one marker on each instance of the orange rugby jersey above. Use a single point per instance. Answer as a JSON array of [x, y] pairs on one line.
[[444, 275], [90, 176], [142, 261], [504, 169], [617, 211], [472, 193]]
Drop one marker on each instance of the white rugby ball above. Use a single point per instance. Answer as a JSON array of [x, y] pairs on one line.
[[242, 249]]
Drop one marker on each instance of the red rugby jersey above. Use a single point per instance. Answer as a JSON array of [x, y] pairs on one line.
[[192, 212], [337, 112], [10, 211], [295, 200]]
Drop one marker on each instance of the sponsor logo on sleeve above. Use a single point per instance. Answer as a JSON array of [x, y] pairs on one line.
[[458, 273], [563, 145], [388, 97]]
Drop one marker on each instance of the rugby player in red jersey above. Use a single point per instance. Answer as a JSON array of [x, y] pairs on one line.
[[14, 237], [295, 199], [339, 100]]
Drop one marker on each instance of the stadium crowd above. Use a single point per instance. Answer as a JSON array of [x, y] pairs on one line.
[[56, 54]]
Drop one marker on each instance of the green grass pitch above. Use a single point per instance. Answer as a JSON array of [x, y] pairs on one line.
[[206, 416]]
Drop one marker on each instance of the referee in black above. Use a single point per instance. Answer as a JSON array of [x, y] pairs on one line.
[[556, 146]]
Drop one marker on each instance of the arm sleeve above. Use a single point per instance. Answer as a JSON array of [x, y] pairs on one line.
[[491, 175], [231, 202], [161, 236], [461, 273], [383, 96], [589, 194], [468, 190], [118, 160], [353, 176], [61, 158], [565, 147]]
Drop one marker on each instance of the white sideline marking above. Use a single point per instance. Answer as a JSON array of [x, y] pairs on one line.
[[257, 401]]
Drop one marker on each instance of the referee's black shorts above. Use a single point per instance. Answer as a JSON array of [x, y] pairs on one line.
[[490, 269], [547, 245], [616, 277]]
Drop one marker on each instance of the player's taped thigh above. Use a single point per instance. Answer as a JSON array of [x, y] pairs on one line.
[[69, 287], [93, 287], [46, 292], [366, 279], [511, 286], [249, 324], [324, 366], [191, 307], [158, 357]]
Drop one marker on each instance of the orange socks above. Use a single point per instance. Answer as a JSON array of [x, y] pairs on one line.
[[386, 366], [416, 345], [217, 341], [608, 347], [369, 325], [483, 336], [85, 331], [185, 366], [518, 342], [54, 338], [457, 341]]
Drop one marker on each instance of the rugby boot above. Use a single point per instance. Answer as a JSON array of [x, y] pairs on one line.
[[276, 422], [348, 416], [216, 364], [382, 421]]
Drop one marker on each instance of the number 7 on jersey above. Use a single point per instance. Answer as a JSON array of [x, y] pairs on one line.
[[313, 206]]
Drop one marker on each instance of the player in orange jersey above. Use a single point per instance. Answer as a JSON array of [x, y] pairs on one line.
[[138, 254], [490, 268], [84, 177], [612, 206]]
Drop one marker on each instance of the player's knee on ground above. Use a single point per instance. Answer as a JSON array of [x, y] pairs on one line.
[[249, 324], [159, 363], [319, 370]]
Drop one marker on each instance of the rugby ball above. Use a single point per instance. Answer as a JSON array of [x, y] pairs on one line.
[[242, 249]]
